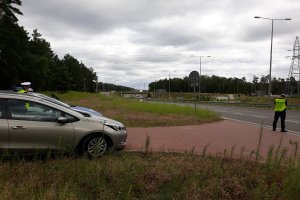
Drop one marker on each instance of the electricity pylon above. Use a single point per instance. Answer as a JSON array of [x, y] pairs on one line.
[[293, 80]]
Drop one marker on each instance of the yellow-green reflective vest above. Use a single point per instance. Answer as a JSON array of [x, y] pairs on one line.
[[27, 105], [280, 105], [22, 91]]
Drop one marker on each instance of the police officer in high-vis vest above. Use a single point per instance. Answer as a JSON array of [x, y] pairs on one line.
[[25, 89], [280, 105]]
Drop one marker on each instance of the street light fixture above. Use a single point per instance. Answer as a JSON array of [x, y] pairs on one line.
[[272, 19], [200, 57]]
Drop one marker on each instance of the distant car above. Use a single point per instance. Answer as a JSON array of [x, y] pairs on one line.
[[28, 123], [83, 110]]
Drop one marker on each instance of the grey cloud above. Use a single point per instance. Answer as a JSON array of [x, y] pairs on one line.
[[96, 17], [165, 37], [163, 34]]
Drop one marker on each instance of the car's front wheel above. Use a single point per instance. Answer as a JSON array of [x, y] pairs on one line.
[[94, 146]]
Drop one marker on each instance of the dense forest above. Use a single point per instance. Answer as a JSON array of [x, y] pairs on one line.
[[216, 84], [29, 57]]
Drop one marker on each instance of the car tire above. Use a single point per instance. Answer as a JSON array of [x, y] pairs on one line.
[[94, 146]]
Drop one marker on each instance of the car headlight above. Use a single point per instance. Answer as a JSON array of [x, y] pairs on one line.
[[115, 127]]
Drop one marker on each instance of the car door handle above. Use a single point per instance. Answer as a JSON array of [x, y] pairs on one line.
[[18, 127]]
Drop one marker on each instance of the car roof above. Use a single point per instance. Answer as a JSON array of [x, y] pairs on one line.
[[8, 92]]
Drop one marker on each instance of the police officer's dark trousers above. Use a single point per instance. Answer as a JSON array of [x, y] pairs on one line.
[[282, 115]]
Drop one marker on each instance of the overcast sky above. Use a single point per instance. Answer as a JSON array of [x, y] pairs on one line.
[[135, 42]]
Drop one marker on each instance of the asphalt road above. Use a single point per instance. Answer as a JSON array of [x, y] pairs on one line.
[[252, 115], [256, 115]]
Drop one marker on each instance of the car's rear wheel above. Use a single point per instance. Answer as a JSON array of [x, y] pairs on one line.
[[94, 146]]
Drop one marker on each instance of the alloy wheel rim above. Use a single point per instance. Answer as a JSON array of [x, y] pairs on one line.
[[96, 147]]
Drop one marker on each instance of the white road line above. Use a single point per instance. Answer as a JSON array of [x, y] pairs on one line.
[[264, 126], [221, 111], [238, 113], [258, 116], [292, 121]]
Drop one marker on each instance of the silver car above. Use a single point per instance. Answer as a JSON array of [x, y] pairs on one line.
[[28, 123]]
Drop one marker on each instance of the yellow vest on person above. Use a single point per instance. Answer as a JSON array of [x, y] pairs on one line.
[[280, 105], [22, 91], [27, 105]]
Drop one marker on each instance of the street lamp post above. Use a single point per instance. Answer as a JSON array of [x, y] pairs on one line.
[[169, 86], [270, 70], [200, 57], [169, 91]]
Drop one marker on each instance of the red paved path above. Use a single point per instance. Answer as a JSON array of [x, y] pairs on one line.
[[218, 136]]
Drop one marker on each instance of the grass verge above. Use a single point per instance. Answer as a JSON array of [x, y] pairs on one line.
[[134, 113], [148, 175]]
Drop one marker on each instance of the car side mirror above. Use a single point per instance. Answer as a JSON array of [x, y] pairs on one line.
[[62, 120]]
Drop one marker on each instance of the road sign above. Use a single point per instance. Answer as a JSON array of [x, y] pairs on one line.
[[194, 78], [194, 81]]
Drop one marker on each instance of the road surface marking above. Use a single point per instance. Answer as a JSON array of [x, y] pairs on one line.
[[238, 113], [292, 121], [264, 126], [221, 111], [258, 116]]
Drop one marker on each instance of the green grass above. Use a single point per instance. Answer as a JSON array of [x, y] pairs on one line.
[[134, 113], [165, 109], [131, 104], [129, 175], [71, 94], [267, 100]]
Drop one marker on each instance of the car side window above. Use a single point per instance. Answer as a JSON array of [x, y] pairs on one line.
[[70, 117], [31, 111]]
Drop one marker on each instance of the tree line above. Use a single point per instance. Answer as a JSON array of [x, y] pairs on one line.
[[216, 84], [30, 58]]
